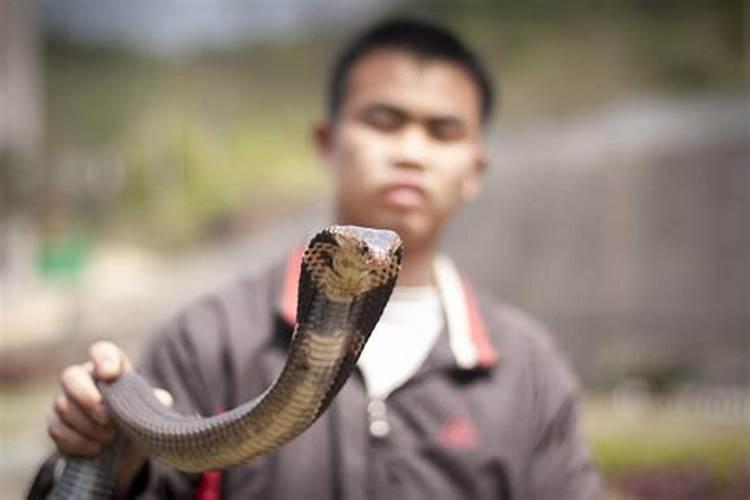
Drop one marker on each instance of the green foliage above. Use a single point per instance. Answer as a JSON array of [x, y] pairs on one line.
[[62, 257], [661, 438], [198, 140], [188, 174]]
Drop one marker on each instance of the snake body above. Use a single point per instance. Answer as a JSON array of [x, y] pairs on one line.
[[346, 278]]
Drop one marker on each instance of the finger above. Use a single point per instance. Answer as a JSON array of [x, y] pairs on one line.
[[70, 442], [109, 360], [164, 397], [78, 385], [76, 419]]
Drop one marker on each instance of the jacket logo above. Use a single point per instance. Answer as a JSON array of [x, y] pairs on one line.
[[459, 432]]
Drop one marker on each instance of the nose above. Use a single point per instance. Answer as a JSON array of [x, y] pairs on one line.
[[411, 148]]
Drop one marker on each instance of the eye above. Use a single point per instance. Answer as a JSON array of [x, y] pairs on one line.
[[384, 118], [446, 129]]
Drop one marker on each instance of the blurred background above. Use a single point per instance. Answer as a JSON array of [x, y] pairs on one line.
[[152, 151]]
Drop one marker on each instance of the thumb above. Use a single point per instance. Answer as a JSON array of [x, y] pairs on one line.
[[109, 360]]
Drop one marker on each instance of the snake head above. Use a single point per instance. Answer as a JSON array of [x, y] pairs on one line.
[[349, 261]]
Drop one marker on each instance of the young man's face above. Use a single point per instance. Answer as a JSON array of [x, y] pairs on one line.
[[407, 149]]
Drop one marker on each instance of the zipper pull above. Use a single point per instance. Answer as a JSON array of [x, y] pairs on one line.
[[377, 412]]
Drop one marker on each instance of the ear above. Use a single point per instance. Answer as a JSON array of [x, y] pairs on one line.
[[472, 184], [322, 137]]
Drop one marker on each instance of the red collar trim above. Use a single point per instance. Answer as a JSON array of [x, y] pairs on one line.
[[487, 355], [288, 304]]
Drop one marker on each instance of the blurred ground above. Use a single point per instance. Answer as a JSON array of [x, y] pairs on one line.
[[680, 463]]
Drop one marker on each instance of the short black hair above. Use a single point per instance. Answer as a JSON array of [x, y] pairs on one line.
[[417, 37]]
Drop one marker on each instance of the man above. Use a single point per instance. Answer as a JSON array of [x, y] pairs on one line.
[[455, 397]]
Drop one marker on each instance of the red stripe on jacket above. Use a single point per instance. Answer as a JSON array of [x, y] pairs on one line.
[[209, 487], [480, 337]]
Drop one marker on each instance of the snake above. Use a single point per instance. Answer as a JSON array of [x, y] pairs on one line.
[[346, 278]]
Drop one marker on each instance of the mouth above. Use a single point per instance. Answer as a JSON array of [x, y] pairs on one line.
[[404, 195]]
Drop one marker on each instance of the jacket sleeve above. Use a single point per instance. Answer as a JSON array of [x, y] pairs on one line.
[[561, 466]]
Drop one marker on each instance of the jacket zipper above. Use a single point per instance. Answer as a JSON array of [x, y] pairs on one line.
[[378, 429], [377, 409], [377, 414]]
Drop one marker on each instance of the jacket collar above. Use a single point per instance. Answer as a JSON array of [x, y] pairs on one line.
[[467, 332]]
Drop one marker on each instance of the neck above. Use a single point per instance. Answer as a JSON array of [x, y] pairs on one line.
[[417, 266]]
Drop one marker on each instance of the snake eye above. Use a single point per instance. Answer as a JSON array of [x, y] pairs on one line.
[[327, 259]]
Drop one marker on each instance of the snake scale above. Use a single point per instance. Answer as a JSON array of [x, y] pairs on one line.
[[347, 276]]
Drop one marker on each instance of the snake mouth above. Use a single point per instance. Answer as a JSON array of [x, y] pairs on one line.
[[349, 261]]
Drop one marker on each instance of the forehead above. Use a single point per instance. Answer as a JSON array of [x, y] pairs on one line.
[[419, 85]]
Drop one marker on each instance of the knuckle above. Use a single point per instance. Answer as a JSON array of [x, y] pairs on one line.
[[61, 404], [65, 376], [101, 344], [55, 432], [69, 376], [103, 348]]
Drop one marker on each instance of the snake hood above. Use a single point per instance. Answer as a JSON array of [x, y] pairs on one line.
[[345, 262]]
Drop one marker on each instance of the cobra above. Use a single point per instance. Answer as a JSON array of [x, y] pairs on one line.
[[346, 279]]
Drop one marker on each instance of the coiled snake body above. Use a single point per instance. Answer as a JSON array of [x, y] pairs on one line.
[[347, 276]]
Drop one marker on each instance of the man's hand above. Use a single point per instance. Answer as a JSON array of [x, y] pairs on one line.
[[80, 424]]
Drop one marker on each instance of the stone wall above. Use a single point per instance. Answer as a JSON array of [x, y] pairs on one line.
[[628, 233]]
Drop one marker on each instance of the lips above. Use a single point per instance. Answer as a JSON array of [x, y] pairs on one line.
[[404, 195]]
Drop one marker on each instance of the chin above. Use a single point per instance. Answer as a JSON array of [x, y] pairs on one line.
[[413, 228]]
